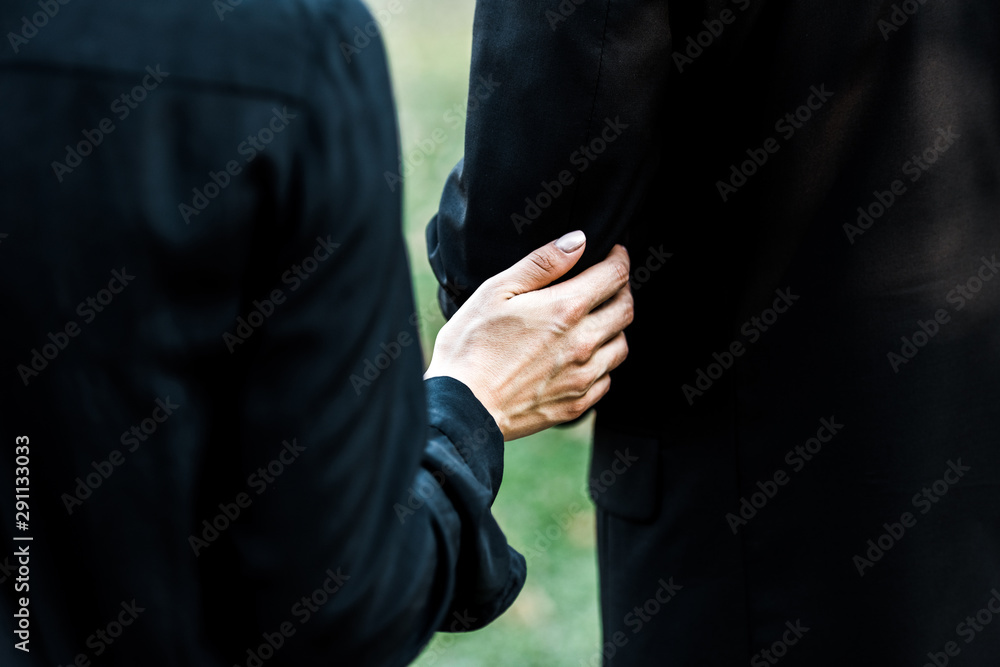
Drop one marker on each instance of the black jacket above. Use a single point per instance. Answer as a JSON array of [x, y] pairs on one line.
[[809, 192], [208, 343]]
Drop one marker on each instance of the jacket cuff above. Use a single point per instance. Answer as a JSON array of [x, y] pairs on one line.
[[455, 411]]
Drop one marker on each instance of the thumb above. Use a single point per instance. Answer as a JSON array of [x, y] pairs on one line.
[[542, 266]]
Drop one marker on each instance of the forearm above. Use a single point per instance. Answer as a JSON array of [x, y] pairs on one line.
[[464, 457]]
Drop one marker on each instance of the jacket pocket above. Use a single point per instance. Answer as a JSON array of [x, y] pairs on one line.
[[624, 474]]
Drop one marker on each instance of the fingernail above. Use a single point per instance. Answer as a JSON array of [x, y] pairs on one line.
[[571, 241]]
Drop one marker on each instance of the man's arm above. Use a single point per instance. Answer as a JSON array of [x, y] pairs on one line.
[[562, 118]]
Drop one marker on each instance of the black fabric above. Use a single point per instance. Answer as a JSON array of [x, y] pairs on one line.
[[255, 352], [697, 90]]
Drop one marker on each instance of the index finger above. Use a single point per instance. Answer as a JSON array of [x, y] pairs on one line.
[[600, 282]]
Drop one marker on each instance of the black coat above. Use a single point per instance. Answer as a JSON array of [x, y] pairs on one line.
[[208, 343], [809, 192]]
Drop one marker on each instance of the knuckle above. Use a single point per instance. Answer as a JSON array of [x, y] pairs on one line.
[[629, 314], [603, 390], [490, 284], [577, 407], [561, 314], [622, 354], [581, 383], [625, 257], [570, 310], [580, 351], [620, 270], [542, 260]]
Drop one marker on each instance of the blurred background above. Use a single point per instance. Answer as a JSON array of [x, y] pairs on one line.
[[543, 506]]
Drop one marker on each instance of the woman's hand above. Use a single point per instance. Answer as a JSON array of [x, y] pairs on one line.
[[538, 357]]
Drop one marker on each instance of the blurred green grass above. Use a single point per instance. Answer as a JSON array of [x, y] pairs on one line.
[[542, 504]]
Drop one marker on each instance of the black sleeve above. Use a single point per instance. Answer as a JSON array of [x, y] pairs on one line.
[[386, 508], [563, 103], [237, 439]]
